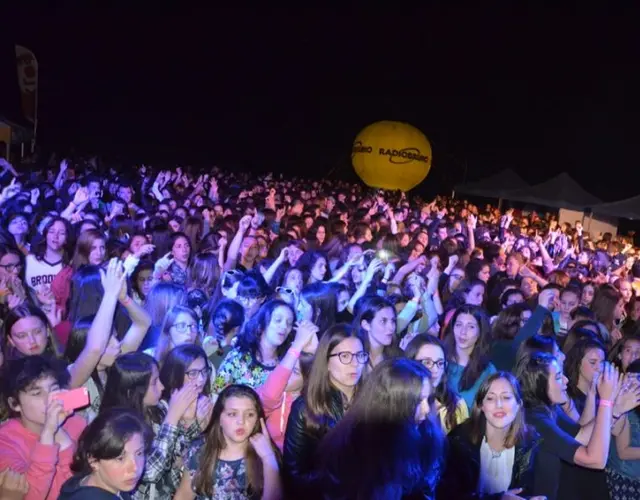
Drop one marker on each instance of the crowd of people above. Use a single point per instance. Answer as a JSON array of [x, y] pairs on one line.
[[246, 336]]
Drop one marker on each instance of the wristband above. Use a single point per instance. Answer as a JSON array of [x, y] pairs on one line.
[[605, 402], [126, 301], [294, 351]]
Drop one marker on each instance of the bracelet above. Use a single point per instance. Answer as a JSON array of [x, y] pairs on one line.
[[606, 403], [294, 351], [126, 301]]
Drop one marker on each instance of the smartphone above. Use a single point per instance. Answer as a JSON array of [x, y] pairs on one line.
[[74, 399], [384, 255]]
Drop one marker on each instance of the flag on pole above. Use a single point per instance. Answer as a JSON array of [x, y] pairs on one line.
[[28, 82]]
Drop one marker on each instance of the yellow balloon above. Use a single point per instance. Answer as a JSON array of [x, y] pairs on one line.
[[391, 155]]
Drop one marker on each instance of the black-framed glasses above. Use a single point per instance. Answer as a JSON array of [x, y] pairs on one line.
[[11, 267], [184, 327], [193, 374], [346, 357], [430, 364]]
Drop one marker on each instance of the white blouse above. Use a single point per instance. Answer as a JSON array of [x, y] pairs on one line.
[[495, 469]]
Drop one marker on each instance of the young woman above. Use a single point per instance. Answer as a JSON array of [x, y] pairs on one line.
[[388, 419], [93, 344], [50, 255], [185, 365], [225, 320], [334, 379], [162, 297], [376, 321], [134, 383], [625, 352], [181, 326], [623, 465], [570, 456], [39, 438], [467, 344], [492, 455], [27, 332], [583, 366], [430, 351], [263, 342], [90, 249], [110, 458], [181, 253], [237, 458], [284, 383], [141, 280]]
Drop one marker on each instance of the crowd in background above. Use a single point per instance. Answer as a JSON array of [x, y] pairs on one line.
[[248, 336]]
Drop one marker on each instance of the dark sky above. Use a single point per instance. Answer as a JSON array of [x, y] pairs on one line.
[[540, 90]]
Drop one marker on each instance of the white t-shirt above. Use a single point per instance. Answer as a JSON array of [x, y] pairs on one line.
[[40, 272]]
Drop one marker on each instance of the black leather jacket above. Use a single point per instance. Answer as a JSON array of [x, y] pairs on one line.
[[300, 444], [462, 471]]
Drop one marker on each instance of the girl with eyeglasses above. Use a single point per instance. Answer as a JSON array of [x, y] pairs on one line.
[[180, 326], [385, 446], [12, 290], [185, 366], [430, 351], [134, 383], [334, 379], [262, 343], [236, 459]]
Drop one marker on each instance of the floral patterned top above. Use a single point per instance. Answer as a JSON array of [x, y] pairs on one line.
[[230, 479], [241, 368]]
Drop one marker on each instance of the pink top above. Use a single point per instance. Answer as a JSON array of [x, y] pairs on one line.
[[45, 468], [277, 403]]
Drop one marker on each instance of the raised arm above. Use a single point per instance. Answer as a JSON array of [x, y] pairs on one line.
[[101, 327]]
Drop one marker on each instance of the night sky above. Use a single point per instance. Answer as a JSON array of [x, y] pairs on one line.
[[540, 91]]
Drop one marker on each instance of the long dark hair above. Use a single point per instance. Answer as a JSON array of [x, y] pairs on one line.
[[323, 298], [215, 442], [533, 376], [249, 338], [574, 359], [479, 358], [401, 457], [366, 309], [518, 430], [127, 384], [106, 437], [40, 248], [318, 389], [446, 396], [176, 364]]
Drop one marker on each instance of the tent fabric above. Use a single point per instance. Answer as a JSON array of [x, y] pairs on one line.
[[560, 191], [493, 186], [628, 208]]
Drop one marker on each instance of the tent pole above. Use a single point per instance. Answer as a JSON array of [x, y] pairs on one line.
[[499, 203]]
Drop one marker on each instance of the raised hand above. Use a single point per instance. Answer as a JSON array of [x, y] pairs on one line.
[[245, 222], [81, 196], [204, 409], [113, 278], [261, 443], [305, 333], [182, 400], [608, 385], [375, 266], [13, 485], [145, 250]]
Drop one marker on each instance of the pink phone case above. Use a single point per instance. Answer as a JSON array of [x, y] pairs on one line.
[[74, 399]]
